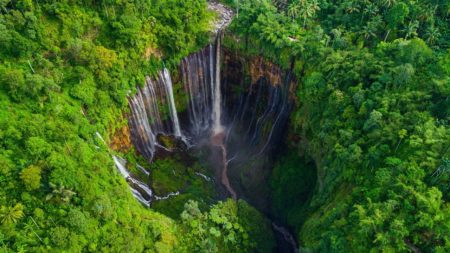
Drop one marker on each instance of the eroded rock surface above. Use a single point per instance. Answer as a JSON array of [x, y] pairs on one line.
[[225, 15]]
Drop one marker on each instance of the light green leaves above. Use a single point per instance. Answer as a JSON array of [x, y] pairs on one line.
[[11, 214]]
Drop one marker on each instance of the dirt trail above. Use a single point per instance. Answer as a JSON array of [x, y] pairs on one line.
[[218, 140]]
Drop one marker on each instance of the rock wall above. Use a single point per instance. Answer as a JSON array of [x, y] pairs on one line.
[[250, 69], [258, 97]]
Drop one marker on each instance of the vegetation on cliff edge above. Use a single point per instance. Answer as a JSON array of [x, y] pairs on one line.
[[372, 113]]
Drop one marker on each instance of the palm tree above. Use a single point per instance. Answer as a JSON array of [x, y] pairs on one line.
[[370, 30], [427, 13], [337, 33], [10, 215], [237, 7], [29, 227], [352, 7], [411, 29], [293, 10], [389, 3], [309, 9], [280, 4], [304, 9], [60, 193], [371, 10], [432, 34]]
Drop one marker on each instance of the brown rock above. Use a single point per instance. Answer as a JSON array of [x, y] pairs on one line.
[[121, 139], [262, 68]]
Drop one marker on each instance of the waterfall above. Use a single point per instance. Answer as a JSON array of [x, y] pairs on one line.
[[147, 113], [198, 76], [244, 120], [258, 117], [217, 127], [140, 190], [253, 119], [201, 78], [167, 81], [172, 194], [142, 134], [143, 170], [258, 114], [203, 176], [200, 73]]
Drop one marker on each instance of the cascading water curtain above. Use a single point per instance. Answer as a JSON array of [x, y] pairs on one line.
[[147, 119], [256, 119], [258, 115], [198, 75]]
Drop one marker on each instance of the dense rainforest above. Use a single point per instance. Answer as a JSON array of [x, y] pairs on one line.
[[372, 115], [361, 165]]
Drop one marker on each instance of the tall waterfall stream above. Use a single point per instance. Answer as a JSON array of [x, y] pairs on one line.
[[241, 126]]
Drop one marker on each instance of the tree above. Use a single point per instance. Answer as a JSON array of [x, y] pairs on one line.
[[77, 220], [60, 193], [225, 228], [411, 29], [396, 16], [60, 236], [13, 81], [403, 74], [38, 148], [352, 7], [389, 3], [371, 10], [294, 10], [31, 177], [432, 34], [303, 9], [370, 30], [401, 135], [10, 215]]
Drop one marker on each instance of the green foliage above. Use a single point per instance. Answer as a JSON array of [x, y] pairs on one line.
[[372, 113], [292, 178], [371, 76], [397, 15], [304, 9], [176, 174], [66, 68], [227, 227], [364, 124], [31, 177], [11, 214]]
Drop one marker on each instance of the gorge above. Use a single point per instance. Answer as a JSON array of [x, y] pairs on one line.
[[179, 126], [238, 118]]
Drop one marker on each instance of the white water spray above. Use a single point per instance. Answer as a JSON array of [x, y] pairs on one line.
[[147, 119], [167, 81], [217, 126], [138, 186]]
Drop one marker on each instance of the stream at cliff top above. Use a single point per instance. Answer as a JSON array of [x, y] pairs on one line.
[[241, 122]]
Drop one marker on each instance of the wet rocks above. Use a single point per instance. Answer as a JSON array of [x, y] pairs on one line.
[[225, 15]]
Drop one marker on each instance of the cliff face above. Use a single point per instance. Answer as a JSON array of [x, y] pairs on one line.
[[243, 70], [258, 97], [259, 68], [237, 67]]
